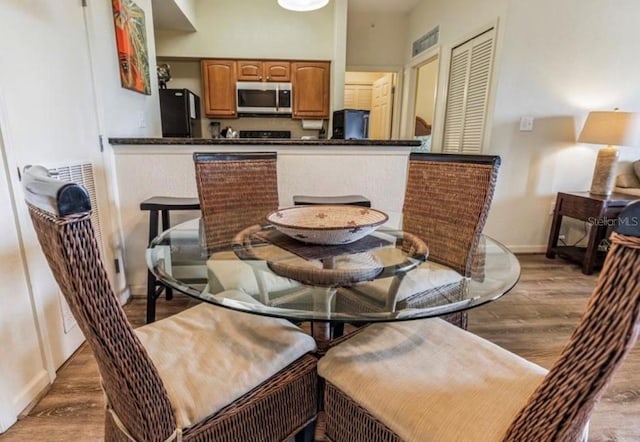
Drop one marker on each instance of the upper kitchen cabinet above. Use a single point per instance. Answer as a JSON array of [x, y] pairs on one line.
[[310, 81], [219, 88], [277, 70], [251, 70]]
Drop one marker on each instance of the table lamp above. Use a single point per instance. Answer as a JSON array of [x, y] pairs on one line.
[[612, 129]]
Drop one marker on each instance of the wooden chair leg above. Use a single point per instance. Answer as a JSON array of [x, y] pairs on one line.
[[151, 280], [151, 297], [338, 330], [166, 224], [307, 434]]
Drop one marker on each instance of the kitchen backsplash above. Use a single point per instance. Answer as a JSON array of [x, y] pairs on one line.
[[258, 123]]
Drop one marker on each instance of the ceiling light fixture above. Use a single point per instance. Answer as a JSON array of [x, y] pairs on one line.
[[303, 5]]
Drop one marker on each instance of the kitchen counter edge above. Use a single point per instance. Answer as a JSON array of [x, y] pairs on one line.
[[259, 141]]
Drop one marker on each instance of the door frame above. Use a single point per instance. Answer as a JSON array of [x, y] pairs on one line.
[[397, 99], [411, 88]]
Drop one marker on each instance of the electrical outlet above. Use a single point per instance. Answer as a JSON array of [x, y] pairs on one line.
[[142, 120], [562, 237], [526, 124]]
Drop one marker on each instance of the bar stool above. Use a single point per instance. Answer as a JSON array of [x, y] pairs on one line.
[[354, 200], [161, 205]]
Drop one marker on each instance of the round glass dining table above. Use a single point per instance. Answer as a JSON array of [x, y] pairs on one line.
[[386, 276]]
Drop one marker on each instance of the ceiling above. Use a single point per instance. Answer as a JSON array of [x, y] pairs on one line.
[[167, 14], [383, 5]]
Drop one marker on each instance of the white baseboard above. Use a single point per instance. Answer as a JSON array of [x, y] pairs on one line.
[[124, 296], [527, 249], [25, 398], [7, 421], [138, 291]]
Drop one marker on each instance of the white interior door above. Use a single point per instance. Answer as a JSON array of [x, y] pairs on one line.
[[381, 108], [22, 367], [48, 92]]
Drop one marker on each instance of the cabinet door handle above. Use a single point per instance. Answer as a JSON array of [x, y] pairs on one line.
[[268, 78]]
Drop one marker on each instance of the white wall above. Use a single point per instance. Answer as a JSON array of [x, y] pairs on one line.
[[376, 39], [256, 29], [122, 111], [556, 66], [189, 9], [555, 61]]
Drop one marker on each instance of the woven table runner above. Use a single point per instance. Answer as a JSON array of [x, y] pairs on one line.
[[317, 251]]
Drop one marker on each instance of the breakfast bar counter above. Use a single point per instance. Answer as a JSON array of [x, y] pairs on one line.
[[147, 167], [258, 142]]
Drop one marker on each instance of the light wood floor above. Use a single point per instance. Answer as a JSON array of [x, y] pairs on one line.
[[534, 321]]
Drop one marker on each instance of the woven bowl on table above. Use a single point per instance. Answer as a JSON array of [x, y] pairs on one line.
[[330, 225]]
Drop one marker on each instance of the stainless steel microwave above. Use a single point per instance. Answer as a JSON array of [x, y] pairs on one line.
[[263, 98]]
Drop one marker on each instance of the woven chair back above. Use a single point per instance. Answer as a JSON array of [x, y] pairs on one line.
[[130, 381], [236, 190], [560, 408], [446, 203]]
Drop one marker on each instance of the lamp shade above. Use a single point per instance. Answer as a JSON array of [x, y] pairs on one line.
[[612, 128], [303, 5]]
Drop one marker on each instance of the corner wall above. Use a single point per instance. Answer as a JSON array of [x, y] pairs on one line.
[[555, 61], [559, 60], [376, 39]]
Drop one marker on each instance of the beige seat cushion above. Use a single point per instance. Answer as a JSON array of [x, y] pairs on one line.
[[226, 272], [208, 356], [430, 380], [627, 190], [429, 276]]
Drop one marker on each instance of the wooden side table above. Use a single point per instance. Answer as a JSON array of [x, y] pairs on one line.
[[598, 210]]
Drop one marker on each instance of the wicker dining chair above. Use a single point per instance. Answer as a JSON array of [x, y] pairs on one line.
[[430, 380], [204, 374], [446, 203], [236, 190]]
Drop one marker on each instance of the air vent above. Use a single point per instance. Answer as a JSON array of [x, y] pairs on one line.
[[81, 173], [425, 42]]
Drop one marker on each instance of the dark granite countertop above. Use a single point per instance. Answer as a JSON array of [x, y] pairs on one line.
[[260, 141]]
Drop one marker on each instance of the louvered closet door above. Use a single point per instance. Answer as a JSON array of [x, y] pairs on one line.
[[469, 81]]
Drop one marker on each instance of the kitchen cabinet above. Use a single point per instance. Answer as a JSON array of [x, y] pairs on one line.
[[255, 70], [310, 82], [219, 88]]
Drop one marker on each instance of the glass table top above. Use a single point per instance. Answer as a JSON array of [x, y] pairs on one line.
[[386, 276]]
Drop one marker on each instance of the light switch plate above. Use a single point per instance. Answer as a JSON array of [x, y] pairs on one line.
[[526, 124], [142, 119]]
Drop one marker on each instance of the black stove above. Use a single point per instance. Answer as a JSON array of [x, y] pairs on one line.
[[265, 134]]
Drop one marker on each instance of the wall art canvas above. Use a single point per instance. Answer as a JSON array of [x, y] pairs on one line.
[[131, 41]]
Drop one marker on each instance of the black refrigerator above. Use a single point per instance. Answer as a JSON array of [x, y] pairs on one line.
[[351, 124], [180, 113]]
